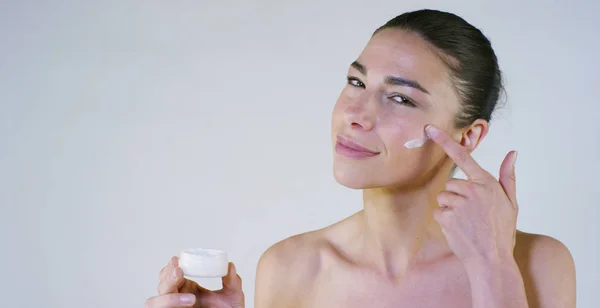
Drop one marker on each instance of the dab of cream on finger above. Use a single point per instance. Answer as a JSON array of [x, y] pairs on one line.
[[416, 143]]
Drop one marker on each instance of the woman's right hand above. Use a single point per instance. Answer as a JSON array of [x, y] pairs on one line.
[[176, 291]]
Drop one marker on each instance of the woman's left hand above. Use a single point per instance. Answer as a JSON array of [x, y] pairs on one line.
[[478, 216]]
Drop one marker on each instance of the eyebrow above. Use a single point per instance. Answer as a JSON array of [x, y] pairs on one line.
[[392, 80]]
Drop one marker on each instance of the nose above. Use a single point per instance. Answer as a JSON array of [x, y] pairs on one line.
[[360, 114]]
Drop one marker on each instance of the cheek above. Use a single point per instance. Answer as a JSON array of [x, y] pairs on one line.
[[396, 131], [407, 163]]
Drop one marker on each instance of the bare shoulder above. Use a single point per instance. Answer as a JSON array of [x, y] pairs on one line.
[[300, 251], [286, 269], [541, 252], [548, 270]]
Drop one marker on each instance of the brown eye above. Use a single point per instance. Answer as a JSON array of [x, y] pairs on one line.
[[355, 82], [403, 100]]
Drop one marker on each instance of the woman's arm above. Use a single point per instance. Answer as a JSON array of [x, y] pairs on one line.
[[496, 284], [542, 275], [265, 283], [478, 217], [284, 272], [548, 271]]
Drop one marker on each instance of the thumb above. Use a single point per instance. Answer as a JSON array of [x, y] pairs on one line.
[[232, 281], [507, 176]]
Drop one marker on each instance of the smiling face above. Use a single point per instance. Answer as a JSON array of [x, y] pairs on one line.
[[395, 88]]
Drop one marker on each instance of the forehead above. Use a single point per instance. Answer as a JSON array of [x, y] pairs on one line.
[[401, 53]]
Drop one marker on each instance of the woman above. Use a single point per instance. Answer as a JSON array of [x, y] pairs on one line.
[[418, 101]]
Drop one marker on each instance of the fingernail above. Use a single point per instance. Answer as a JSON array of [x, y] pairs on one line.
[[174, 276], [515, 159], [187, 299], [431, 131]]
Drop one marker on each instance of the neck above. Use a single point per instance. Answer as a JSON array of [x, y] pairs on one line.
[[399, 229]]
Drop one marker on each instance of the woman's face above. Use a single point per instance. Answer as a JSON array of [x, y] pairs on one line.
[[396, 87]]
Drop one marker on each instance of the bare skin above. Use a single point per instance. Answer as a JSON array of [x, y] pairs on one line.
[[422, 239], [323, 269]]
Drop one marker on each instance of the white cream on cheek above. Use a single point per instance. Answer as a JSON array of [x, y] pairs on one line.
[[416, 143], [399, 125]]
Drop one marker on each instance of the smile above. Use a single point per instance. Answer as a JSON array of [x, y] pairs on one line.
[[351, 149]]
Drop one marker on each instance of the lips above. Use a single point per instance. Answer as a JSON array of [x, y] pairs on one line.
[[352, 149]]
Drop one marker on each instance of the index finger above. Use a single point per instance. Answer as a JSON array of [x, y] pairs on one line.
[[455, 151]]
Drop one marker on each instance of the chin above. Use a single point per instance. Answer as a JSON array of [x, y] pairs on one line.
[[369, 178], [350, 183], [354, 179]]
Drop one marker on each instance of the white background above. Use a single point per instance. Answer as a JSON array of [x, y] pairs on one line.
[[130, 130]]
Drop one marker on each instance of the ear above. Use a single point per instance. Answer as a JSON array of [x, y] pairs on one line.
[[474, 134]]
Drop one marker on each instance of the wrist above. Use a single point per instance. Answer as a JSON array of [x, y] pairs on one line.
[[484, 266], [490, 260], [496, 282]]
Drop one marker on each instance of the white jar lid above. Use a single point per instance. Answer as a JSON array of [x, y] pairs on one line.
[[199, 262]]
